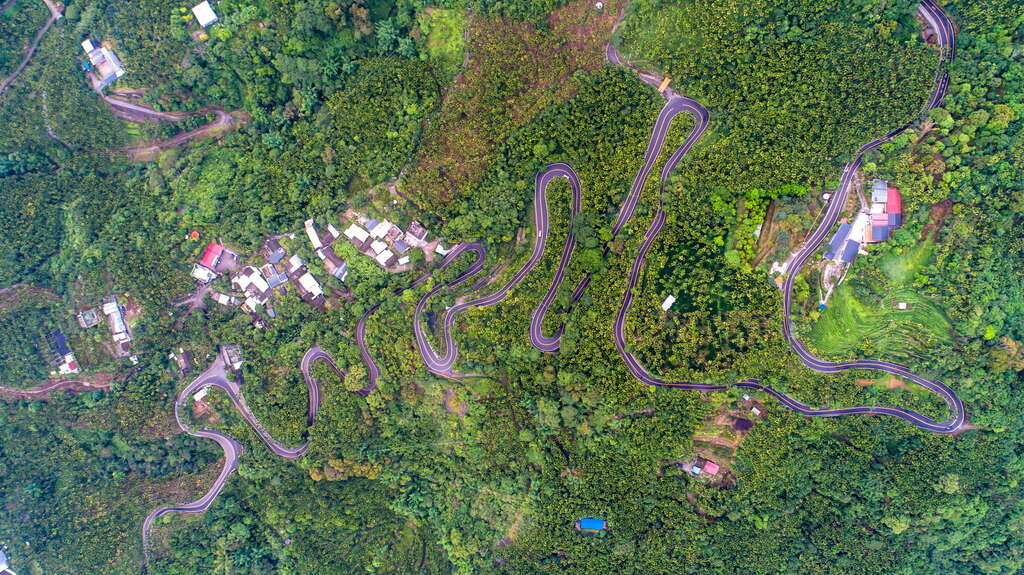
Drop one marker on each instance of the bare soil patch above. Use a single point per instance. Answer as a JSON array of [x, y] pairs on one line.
[[936, 218]]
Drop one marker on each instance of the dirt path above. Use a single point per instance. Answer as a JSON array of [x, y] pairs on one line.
[[54, 16], [225, 122], [139, 113], [936, 218], [49, 128], [43, 390]]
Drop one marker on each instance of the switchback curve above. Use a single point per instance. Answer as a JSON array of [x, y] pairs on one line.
[[216, 376], [442, 364]]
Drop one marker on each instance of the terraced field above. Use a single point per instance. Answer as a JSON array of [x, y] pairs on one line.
[[851, 326]]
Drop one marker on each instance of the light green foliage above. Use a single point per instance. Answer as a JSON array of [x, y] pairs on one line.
[[489, 473], [444, 31]]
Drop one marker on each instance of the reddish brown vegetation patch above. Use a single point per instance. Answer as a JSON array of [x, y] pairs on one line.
[[936, 218], [514, 71]]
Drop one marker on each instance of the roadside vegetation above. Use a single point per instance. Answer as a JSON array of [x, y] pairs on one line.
[[489, 474], [18, 25]]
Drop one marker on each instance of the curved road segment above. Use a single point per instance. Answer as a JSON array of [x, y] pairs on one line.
[[441, 364], [216, 376]]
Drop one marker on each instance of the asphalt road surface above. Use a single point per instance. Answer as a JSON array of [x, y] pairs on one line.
[[216, 376], [442, 364]]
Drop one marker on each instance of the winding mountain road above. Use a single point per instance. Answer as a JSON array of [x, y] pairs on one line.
[[216, 376], [441, 364]]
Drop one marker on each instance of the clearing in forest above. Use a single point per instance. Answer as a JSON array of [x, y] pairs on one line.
[[878, 325], [513, 71]]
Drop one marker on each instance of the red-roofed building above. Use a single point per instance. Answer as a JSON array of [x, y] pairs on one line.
[[894, 203], [711, 468], [212, 256], [886, 212]]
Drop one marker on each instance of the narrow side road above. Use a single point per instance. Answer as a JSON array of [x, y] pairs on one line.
[[54, 16], [46, 388], [216, 376]]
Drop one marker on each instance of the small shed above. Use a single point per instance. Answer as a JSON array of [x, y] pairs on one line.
[[665, 305], [204, 14]]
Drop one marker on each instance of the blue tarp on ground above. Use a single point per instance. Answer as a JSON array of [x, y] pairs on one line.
[[591, 523]]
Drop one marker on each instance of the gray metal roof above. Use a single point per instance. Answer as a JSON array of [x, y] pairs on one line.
[[849, 252], [880, 191], [841, 234]]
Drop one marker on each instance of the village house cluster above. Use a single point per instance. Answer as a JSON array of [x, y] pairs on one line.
[[256, 284], [871, 226], [385, 242], [63, 358], [252, 286]]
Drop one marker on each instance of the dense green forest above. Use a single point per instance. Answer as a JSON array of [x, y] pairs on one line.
[[444, 113]]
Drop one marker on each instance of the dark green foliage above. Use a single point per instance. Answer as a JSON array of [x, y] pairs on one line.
[[488, 474]]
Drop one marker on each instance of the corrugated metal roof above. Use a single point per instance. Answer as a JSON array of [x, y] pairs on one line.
[[880, 233], [879, 191], [849, 252], [841, 234], [893, 201], [212, 255], [60, 343]]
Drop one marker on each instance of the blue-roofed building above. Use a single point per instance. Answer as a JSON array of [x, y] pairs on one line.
[[838, 239], [590, 524], [879, 233], [60, 343], [849, 252]]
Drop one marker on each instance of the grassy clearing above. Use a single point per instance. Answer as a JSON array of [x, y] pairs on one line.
[[901, 264], [445, 36], [851, 327]]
